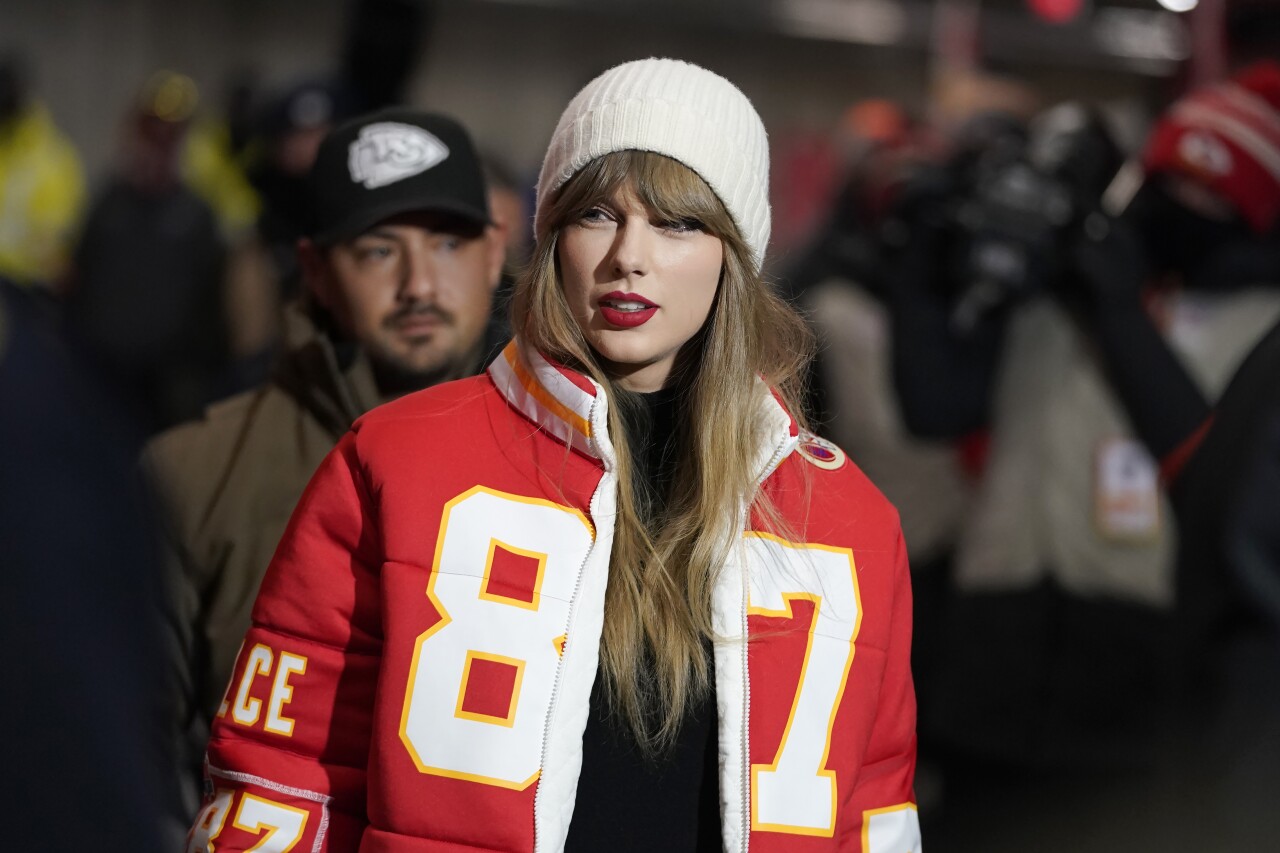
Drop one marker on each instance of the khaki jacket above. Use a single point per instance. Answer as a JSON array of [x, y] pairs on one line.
[[229, 482]]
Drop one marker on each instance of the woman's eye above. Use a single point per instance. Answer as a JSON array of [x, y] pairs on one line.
[[681, 226], [594, 214]]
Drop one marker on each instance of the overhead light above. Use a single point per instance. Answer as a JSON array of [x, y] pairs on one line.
[[1178, 5]]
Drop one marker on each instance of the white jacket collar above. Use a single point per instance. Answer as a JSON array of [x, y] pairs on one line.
[[573, 407]]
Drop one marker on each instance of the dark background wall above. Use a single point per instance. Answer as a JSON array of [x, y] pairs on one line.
[[507, 68]]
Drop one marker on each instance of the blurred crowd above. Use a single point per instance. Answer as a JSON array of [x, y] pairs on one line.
[[1032, 340], [1058, 355]]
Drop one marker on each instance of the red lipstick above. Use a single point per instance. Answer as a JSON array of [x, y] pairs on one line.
[[626, 310]]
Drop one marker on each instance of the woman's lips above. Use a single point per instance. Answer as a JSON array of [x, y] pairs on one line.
[[626, 310]]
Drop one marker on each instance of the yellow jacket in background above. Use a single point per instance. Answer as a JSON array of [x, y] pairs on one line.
[[42, 196]]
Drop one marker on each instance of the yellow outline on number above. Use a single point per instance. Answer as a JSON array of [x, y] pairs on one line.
[[870, 813], [510, 719], [536, 598], [445, 619], [787, 613], [210, 811], [270, 828]]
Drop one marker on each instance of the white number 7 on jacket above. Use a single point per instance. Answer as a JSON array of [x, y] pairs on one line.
[[795, 794]]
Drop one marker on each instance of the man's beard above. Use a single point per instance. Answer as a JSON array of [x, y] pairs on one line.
[[395, 376]]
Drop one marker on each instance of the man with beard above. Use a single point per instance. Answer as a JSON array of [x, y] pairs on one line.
[[399, 269]]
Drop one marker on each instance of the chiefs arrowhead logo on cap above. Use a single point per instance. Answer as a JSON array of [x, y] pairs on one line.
[[387, 152]]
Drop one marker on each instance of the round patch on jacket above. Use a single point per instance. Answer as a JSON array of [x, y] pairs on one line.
[[821, 452]]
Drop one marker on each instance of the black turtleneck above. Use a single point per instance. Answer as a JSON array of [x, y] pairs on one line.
[[627, 801], [652, 427]]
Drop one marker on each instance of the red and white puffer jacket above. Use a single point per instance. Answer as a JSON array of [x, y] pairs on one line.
[[425, 642]]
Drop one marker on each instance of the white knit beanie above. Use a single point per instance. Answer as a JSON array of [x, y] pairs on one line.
[[679, 110]]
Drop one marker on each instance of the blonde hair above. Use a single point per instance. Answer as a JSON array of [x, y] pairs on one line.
[[663, 566]]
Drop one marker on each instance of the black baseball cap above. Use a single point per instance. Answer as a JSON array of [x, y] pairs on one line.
[[390, 162]]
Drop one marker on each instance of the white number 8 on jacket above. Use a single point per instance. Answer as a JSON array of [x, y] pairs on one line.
[[481, 679]]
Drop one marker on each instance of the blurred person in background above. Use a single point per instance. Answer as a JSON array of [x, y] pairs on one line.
[[399, 263], [83, 624], [1058, 687], [1227, 496], [1208, 216], [215, 157], [263, 274], [42, 192], [219, 151], [290, 129], [145, 292]]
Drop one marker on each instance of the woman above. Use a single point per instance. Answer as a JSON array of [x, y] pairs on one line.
[[509, 612]]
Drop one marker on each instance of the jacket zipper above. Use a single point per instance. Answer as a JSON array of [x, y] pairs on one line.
[[774, 462], [555, 694], [555, 685]]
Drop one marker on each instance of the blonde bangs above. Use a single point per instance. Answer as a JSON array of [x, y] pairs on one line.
[[673, 191]]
